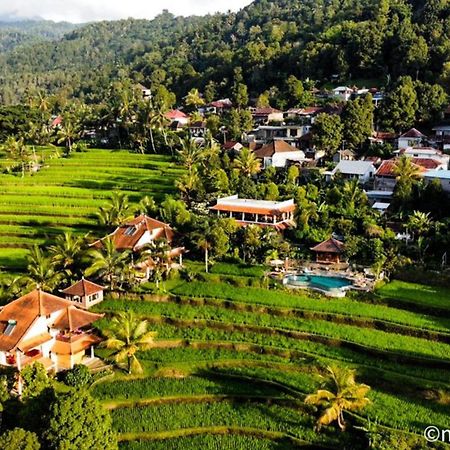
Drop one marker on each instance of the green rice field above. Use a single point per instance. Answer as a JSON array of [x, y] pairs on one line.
[[66, 193]]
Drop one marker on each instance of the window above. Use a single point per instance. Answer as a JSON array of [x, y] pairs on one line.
[[93, 297], [10, 327], [130, 231]]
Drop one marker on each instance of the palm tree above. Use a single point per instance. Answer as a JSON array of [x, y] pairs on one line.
[[246, 163], [158, 254], [116, 211], [419, 222], [68, 134], [187, 184], [406, 170], [347, 395], [17, 151], [194, 99], [108, 263], [127, 335], [41, 271], [67, 253], [190, 154]]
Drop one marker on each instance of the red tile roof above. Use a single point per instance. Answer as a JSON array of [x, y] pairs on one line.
[[127, 236], [426, 163], [413, 133], [265, 111], [384, 135], [278, 146], [387, 168], [83, 288], [74, 318], [175, 114], [25, 311], [329, 246]]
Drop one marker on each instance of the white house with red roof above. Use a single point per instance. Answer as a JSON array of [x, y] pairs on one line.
[[266, 115], [279, 153], [84, 293], [412, 138], [428, 153], [175, 115], [45, 328]]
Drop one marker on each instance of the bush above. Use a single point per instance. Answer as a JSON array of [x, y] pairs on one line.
[[19, 439], [78, 377]]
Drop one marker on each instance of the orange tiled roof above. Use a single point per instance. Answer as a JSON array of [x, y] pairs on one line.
[[413, 133], [329, 246], [25, 310], [128, 235], [276, 146], [73, 318], [83, 288]]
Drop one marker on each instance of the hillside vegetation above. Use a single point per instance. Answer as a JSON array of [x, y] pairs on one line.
[[269, 40]]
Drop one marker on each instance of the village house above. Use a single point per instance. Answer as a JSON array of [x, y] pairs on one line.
[[386, 176], [383, 137], [443, 176], [343, 93], [303, 116], [344, 155], [145, 91], [279, 154], [412, 138], [427, 153], [442, 136], [45, 328], [84, 293], [266, 115], [279, 215], [363, 171], [218, 106], [197, 130], [232, 146], [329, 251], [140, 232], [175, 115], [143, 232], [289, 133]]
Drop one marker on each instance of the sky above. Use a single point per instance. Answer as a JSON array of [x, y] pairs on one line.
[[90, 10]]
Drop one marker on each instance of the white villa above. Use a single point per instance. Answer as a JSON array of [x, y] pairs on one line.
[[279, 215], [363, 171], [43, 327], [278, 153]]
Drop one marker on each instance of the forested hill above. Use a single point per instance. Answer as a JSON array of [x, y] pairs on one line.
[[269, 40], [14, 33]]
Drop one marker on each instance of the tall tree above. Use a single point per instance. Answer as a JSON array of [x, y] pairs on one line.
[[246, 163], [126, 336], [357, 119], [79, 422], [327, 133], [345, 395]]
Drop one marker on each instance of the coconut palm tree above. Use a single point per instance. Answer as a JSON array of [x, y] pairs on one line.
[[126, 336], [108, 263], [68, 134], [158, 254], [67, 253], [346, 395], [406, 170], [116, 211], [17, 151], [247, 164], [41, 271], [190, 154], [194, 99]]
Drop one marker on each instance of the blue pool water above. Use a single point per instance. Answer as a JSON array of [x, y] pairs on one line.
[[318, 281]]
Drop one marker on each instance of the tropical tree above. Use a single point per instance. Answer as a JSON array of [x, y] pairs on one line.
[[157, 255], [19, 439], [67, 253], [327, 133], [194, 99], [18, 152], [116, 211], [41, 271], [108, 263], [126, 336], [406, 170], [76, 421], [68, 134], [346, 395], [190, 154], [247, 164], [419, 223]]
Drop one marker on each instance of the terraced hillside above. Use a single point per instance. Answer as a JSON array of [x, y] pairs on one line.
[[66, 193], [234, 360]]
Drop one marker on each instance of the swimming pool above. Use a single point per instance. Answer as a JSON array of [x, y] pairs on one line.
[[330, 285]]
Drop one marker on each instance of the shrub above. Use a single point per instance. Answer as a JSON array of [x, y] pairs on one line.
[[19, 439], [78, 377]]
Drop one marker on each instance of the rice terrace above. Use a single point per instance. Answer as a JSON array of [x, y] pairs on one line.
[[225, 226]]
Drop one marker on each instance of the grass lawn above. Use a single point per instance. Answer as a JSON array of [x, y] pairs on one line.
[[438, 297]]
